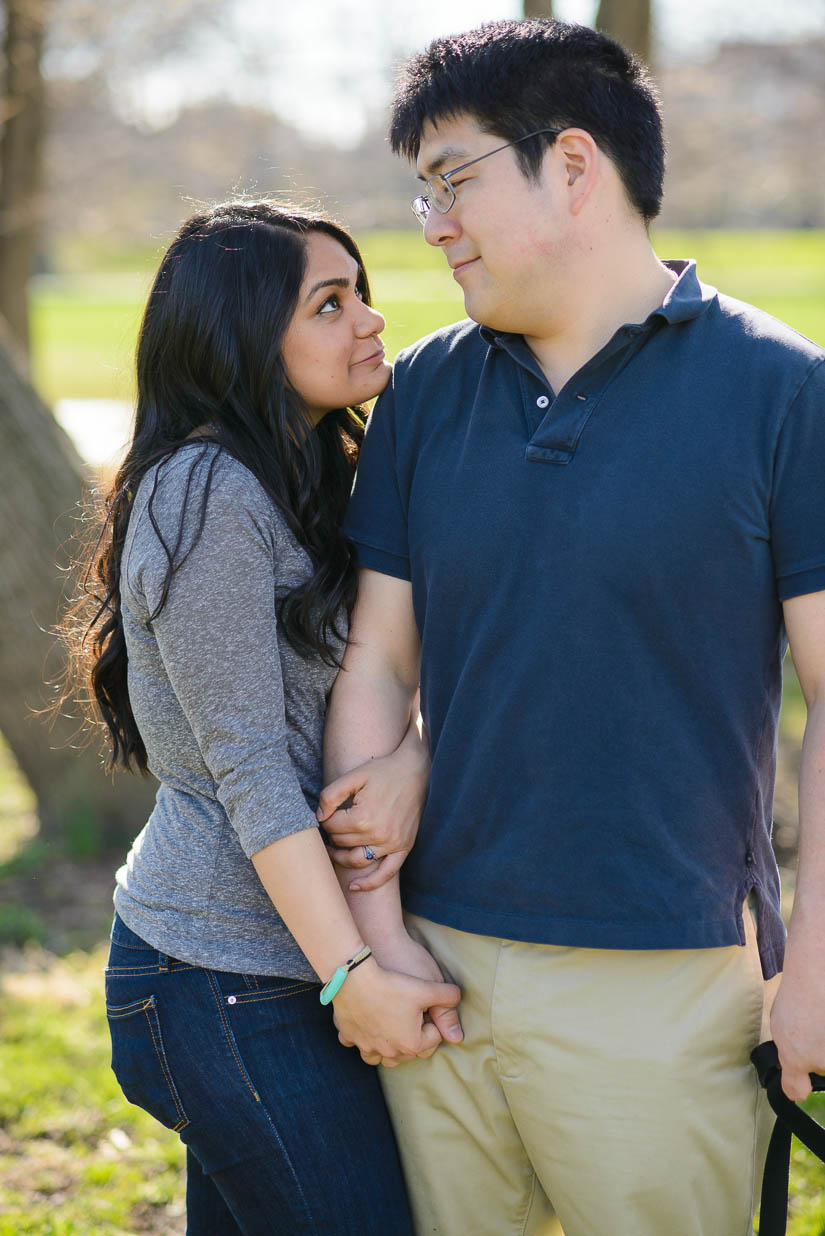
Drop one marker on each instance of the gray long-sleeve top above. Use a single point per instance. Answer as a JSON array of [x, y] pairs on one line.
[[231, 716]]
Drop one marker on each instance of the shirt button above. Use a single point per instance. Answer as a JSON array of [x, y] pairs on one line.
[[542, 402], [231, 999], [749, 858], [581, 396]]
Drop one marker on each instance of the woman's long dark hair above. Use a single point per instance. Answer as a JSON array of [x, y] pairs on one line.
[[209, 354]]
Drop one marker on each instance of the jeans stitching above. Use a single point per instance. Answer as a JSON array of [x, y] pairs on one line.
[[230, 1038], [154, 1030], [227, 1029], [254, 997], [142, 971], [114, 1011]]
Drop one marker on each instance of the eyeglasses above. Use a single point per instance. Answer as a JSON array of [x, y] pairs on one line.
[[441, 193]]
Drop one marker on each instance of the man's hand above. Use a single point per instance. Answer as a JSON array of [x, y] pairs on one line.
[[798, 1018]]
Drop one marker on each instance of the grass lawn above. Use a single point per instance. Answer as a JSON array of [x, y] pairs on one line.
[[75, 1158]]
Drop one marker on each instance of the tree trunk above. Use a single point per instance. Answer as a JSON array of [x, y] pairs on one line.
[[538, 8], [41, 484], [23, 122], [628, 22]]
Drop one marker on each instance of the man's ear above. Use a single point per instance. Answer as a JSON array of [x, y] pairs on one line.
[[579, 159]]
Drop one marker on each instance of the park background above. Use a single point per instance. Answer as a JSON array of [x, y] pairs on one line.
[[116, 118]]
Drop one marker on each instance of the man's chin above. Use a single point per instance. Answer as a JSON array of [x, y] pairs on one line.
[[488, 315]]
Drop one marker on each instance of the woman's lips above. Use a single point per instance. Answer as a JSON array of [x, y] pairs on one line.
[[376, 356]]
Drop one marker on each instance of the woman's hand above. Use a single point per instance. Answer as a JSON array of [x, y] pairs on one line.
[[383, 1013], [386, 798], [409, 957]]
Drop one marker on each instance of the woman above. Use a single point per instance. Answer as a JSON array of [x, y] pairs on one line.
[[227, 586]]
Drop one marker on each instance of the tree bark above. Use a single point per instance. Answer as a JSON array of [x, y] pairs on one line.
[[21, 141], [538, 8], [629, 23], [41, 485]]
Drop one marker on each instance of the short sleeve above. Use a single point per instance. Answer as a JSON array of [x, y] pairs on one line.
[[376, 520], [798, 499], [218, 640]]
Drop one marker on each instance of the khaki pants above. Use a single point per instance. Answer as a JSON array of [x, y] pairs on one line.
[[615, 1083]]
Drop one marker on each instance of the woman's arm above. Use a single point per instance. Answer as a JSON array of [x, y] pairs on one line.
[[378, 1010]]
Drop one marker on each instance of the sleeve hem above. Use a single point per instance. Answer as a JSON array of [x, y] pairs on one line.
[[800, 583], [253, 842], [382, 561]]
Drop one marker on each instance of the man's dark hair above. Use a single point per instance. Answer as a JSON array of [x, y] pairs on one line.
[[513, 77]]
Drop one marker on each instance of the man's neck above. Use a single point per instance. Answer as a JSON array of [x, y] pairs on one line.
[[608, 294]]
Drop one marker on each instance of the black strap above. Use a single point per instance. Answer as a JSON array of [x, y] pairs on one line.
[[773, 1214]]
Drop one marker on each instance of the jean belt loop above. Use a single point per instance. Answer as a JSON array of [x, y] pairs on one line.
[[163, 961]]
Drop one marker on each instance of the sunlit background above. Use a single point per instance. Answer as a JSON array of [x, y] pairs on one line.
[[144, 108]]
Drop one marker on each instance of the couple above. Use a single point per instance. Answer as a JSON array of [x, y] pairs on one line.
[[587, 520]]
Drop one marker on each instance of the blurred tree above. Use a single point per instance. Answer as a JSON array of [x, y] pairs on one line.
[[41, 476], [41, 481], [629, 22], [538, 8], [22, 115]]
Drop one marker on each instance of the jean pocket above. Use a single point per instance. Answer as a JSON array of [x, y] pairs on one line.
[[253, 988], [139, 1061]]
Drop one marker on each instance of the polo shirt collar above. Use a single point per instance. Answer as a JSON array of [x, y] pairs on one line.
[[686, 299]]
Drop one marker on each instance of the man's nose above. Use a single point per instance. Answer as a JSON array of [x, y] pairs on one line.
[[440, 229]]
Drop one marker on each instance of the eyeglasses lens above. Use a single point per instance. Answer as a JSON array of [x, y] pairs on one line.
[[442, 193]]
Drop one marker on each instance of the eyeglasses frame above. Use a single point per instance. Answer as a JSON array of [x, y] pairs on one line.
[[421, 205]]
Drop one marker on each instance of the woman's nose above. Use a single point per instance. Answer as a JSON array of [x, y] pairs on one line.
[[371, 323]]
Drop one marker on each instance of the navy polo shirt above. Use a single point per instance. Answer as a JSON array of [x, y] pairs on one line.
[[597, 580]]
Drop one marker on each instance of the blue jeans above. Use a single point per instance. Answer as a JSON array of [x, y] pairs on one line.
[[286, 1131]]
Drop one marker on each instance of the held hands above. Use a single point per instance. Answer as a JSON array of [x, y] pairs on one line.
[[383, 1013], [386, 797]]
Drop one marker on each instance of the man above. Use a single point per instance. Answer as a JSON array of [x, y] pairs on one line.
[[594, 511]]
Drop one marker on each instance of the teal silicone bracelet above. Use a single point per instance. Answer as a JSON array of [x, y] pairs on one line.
[[330, 989]]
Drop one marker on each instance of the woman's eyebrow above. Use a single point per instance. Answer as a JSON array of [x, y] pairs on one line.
[[340, 282]]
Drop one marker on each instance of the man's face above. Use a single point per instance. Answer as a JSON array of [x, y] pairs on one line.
[[505, 236]]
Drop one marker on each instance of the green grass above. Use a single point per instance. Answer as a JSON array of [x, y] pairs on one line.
[[75, 1157], [84, 325]]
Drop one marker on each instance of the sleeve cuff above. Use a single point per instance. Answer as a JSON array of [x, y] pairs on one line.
[[800, 583], [382, 561]]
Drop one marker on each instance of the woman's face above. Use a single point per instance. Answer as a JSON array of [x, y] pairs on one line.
[[333, 355]]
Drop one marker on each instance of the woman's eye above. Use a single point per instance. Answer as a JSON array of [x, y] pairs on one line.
[[359, 292], [330, 304]]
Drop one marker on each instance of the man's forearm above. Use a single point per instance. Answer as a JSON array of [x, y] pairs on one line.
[[367, 717], [798, 1014], [807, 928]]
